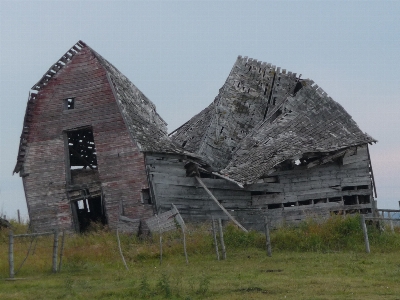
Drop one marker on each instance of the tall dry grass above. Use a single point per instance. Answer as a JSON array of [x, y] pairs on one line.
[[99, 247]]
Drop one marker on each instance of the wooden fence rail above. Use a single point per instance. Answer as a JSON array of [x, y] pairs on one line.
[[55, 249]]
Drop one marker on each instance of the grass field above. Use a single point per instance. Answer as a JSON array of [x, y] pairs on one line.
[[313, 261]]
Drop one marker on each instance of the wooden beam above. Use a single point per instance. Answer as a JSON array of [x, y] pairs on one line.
[[219, 204], [372, 172]]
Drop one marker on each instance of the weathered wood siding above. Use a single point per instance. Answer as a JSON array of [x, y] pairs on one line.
[[169, 184], [318, 192], [121, 169]]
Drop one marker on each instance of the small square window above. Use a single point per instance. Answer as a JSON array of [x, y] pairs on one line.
[[69, 103]]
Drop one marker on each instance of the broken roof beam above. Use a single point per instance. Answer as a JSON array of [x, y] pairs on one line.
[[219, 204]]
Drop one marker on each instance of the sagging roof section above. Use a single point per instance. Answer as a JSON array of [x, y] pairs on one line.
[[307, 122], [263, 116], [250, 92], [146, 127], [190, 135]]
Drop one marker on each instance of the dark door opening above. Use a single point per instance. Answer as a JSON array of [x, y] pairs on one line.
[[89, 212]]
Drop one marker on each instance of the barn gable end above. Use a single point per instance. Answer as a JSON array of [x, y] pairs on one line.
[[81, 155]]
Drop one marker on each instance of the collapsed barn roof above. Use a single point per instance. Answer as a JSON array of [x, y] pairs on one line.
[[145, 126], [262, 117]]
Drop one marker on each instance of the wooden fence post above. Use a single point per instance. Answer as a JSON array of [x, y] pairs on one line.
[[184, 245], [391, 221], [181, 223], [365, 232], [268, 239], [160, 232], [19, 217], [120, 251], [61, 250], [55, 251], [215, 237], [221, 237], [11, 253]]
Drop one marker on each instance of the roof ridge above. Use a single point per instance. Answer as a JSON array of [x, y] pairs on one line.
[[76, 48]]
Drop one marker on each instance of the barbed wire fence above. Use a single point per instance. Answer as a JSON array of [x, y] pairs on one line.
[[45, 250]]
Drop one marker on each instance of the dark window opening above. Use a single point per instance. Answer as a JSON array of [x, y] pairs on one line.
[[318, 201], [204, 174], [350, 200], [362, 187], [89, 211], [69, 103], [365, 211], [289, 204], [256, 193], [81, 148], [305, 202], [363, 199], [352, 188], [335, 199], [145, 196], [81, 157], [348, 188], [274, 206]]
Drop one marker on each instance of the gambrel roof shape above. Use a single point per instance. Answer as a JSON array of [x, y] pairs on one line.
[[147, 129], [262, 117]]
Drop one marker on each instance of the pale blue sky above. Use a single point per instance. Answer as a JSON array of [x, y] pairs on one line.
[[179, 54]]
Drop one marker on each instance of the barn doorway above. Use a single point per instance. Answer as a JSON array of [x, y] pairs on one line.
[[89, 213]]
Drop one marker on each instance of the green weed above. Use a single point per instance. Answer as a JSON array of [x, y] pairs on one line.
[[164, 286]]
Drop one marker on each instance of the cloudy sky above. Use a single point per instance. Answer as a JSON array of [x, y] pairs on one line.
[[179, 53]]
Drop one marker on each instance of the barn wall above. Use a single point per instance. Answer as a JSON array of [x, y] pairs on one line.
[[121, 170], [169, 184], [47, 201], [285, 196], [342, 187]]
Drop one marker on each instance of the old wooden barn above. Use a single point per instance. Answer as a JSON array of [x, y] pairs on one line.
[[94, 149]]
